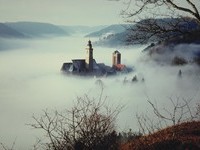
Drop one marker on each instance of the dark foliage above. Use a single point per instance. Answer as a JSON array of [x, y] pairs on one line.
[[179, 61], [108, 142]]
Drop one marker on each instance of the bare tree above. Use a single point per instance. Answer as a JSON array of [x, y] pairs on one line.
[[4, 147], [153, 7], [180, 110], [180, 18], [89, 124]]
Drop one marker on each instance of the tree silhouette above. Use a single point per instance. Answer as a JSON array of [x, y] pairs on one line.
[[88, 125], [148, 16]]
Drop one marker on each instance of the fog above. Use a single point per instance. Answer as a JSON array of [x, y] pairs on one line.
[[31, 81]]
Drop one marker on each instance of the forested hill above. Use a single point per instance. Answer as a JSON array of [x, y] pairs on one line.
[[36, 29], [8, 32], [112, 29], [127, 37]]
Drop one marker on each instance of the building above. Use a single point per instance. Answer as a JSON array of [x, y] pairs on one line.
[[89, 66], [116, 62], [116, 58]]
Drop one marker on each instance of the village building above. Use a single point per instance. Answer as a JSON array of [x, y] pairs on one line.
[[89, 66], [117, 62]]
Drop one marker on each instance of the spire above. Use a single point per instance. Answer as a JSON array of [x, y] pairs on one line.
[[89, 44]]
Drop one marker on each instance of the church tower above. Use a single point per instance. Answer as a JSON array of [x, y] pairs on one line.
[[89, 56]]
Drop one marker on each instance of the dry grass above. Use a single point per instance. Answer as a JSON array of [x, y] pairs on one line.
[[185, 136]]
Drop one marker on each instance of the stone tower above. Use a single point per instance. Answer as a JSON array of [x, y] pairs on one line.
[[116, 58], [89, 56]]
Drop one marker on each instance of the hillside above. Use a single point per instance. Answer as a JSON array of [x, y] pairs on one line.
[[36, 29], [181, 50], [81, 29], [123, 37], [110, 30], [185, 136], [8, 32]]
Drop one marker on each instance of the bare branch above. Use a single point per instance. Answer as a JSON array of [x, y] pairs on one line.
[[87, 123], [147, 27], [196, 14]]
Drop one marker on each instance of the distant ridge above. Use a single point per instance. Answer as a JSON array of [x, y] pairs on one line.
[[37, 29], [112, 29], [121, 38], [8, 32], [80, 29]]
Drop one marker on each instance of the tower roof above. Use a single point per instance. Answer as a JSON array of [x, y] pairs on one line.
[[116, 52], [89, 43]]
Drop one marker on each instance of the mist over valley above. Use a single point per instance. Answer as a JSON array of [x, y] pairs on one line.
[[31, 81]]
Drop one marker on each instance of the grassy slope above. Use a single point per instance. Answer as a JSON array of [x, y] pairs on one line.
[[179, 137]]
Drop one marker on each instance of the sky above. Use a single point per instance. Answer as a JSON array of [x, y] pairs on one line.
[[62, 12], [66, 12]]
